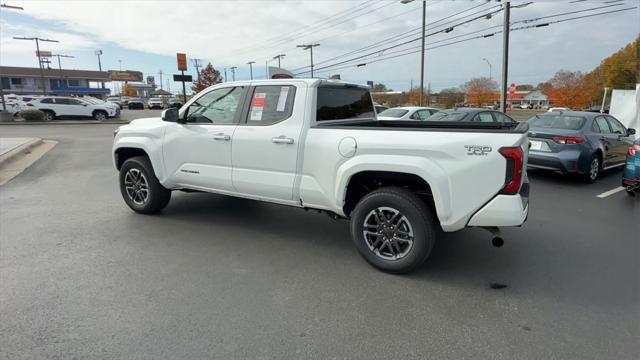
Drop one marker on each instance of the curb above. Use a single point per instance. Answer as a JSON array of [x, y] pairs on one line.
[[18, 151]]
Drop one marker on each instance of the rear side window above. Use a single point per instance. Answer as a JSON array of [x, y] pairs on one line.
[[483, 117], [62, 101], [601, 125], [448, 116], [343, 103], [394, 113], [557, 122], [46, 101], [271, 104], [500, 117]]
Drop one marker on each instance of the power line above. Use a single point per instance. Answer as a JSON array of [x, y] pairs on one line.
[[406, 52]]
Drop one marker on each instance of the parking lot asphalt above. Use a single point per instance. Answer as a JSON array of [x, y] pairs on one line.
[[82, 276]]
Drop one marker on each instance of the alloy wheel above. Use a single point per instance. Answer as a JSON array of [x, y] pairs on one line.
[[594, 168], [136, 186], [388, 233]]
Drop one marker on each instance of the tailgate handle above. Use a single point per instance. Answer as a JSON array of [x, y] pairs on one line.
[[282, 140]]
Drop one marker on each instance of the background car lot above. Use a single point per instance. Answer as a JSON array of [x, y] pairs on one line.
[[242, 279]]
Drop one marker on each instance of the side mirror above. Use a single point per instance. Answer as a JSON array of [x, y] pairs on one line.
[[631, 131], [170, 114]]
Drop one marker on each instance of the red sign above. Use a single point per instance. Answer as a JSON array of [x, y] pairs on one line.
[[182, 61], [512, 88]]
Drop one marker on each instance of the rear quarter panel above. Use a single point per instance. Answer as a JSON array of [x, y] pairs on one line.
[[461, 183]]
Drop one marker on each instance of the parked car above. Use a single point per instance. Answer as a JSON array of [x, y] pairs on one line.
[[116, 100], [174, 103], [97, 101], [526, 106], [407, 113], [316, 144], [13, 106], [155, 103], [578, 142], [135, 104], [60, 106], [472, 115], [552, 109], [631, 174]]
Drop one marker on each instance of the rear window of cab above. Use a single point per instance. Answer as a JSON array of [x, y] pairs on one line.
[[344, 103], [564, 122]]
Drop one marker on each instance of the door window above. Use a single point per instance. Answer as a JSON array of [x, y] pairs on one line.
[[616, 126], [500, 117], [420, 115], [218, 106], [63, 101], [602, 126], [483, 117], [75, 102], [271, 104]]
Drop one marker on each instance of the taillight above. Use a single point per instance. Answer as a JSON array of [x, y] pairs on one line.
[[568, 139], [633, 150], [513, 177], [29, 104]]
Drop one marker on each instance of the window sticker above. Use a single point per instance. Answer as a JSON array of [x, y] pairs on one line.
[[282, 99], [257, 106]]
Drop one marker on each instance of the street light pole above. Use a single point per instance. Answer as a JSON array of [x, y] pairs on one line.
[[98, 53], [309, 47], [37, 39], [488, 63], [225, 74], [279, 56], [233, 72], [505, 56], [250, 63], [424, 24]]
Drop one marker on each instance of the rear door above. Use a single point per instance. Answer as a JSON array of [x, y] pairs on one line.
[[622, 141], [608, 139], [267, 141]]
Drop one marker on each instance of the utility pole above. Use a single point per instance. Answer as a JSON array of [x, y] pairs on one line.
[[37, 39], [250, 63], [60, 65], [197, 65], [160, 73], [225, 74], [505, 56], [424, 24], [279, 57], [4, 105], [309, 47], [120, 64], [233, 72]]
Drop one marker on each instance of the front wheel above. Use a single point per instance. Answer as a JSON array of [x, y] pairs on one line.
[[100, 115], [393, 229], [140, 188]]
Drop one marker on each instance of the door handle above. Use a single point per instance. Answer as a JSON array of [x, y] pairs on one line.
[[282, 140], [221, 136]]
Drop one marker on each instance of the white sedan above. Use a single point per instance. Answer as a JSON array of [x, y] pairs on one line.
[[407, 113]]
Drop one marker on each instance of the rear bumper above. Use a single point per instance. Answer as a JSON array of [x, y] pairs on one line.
[[568, 161], [502, 210]]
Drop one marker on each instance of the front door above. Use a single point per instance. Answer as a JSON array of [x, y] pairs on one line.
[[609, 141], [622, 140], [197, 153], [266, 143]]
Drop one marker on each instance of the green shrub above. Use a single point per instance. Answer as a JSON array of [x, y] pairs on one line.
[[32, 115]]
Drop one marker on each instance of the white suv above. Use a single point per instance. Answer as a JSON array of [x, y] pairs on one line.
[[59, 106]]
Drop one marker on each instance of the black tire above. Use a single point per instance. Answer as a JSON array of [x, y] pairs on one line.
[[418, 220], [100, 115], [49, 115], [157, 196], [588, 176]]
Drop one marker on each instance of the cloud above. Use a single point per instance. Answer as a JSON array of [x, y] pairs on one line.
[[234, 32]]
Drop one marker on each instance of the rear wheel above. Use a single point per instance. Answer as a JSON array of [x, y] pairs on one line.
[[593, 169], [140, 188], [393, 229]]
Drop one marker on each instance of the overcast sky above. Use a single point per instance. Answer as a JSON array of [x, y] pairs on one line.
[[145, 35]]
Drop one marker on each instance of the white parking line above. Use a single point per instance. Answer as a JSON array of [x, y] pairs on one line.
[[610, 192]]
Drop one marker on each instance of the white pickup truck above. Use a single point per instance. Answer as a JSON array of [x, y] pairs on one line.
[[316, 144]]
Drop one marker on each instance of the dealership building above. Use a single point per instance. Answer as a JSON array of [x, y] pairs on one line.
[[27, 80]]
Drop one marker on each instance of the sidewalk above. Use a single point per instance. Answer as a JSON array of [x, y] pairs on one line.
[[16, 154], [8, 144]]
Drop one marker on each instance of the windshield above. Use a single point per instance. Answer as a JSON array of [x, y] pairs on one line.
[[557, 122], [447, 116], [394, 113]]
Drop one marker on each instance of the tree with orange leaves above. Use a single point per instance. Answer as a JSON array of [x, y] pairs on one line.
[[480, 91]]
